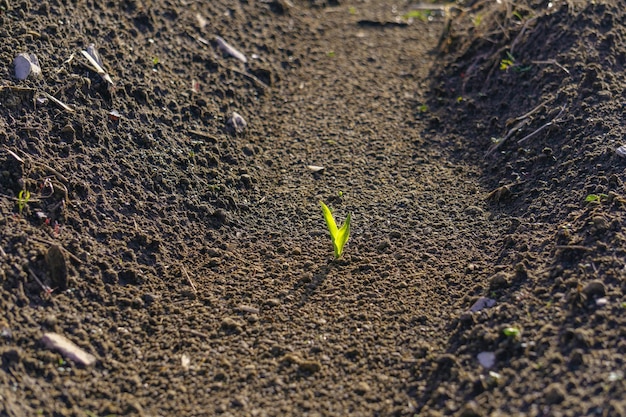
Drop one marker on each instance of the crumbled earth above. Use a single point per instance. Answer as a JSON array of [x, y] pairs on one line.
[[165, 225]]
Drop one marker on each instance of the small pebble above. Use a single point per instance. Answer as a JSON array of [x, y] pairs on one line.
[[26, 65], [486, 359], [595, 289], [248, 309], [554, 394], [362, 388], [499, 280], [272, 302], [236, 122]]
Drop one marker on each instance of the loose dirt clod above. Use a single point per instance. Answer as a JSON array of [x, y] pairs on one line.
[[57, 267]]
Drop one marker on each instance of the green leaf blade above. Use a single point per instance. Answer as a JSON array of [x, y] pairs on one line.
[[342, 237], [339, 237], [330, 221]]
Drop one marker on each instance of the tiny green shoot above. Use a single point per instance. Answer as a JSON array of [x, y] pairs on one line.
[[511, 331], [477, 20], [331, 54], [339, 236], [595, 198], [507, 62], [417, 14], [352, 10], [22, 200]]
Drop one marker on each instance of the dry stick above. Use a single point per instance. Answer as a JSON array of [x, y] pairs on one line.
[[519, 35], [59, 103], [2, 252], [550, 123], [70, 254], [510, 133], [551, 62], [43, 286], [195, 332], [523, 119], [193, 286], [14, 155], [533, 111]]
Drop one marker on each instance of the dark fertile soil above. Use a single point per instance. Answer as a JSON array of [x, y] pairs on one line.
[[476, 146]]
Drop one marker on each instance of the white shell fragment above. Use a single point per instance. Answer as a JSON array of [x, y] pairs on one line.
[[185, 361], [230, 50], [25, 65], [67, 348], [486, 359], [481, 303], [315, 168], [237, 122], [621, 151]]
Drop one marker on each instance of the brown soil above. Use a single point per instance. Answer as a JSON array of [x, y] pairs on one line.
[[476, 150]]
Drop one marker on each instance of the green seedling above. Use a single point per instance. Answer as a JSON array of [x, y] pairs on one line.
[[417, 14], [511, 332], [595, 198], [477, 20], [339, 236], [507, 62], [22, 200]]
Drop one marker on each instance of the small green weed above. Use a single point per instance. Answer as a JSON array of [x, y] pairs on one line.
[[595, 198], [339, 236], [509, 62], [22, 200], [511, 332], [417, 14]]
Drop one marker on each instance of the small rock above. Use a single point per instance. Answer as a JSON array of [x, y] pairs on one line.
[[26, 65], [236, 123], [246, 180], [470, 409], [481, 303], [248, 309], [474, 211], [554, 394], [486, 359], [315, 168], [362, 388], [309, 367], [466, 318], [231, 325], [272, 302], [594, 289], [576, 358], [621, 151], [50, 321], [57, 267], [499, 280]]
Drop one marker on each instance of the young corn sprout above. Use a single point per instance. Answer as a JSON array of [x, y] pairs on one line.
[[339, 236]]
